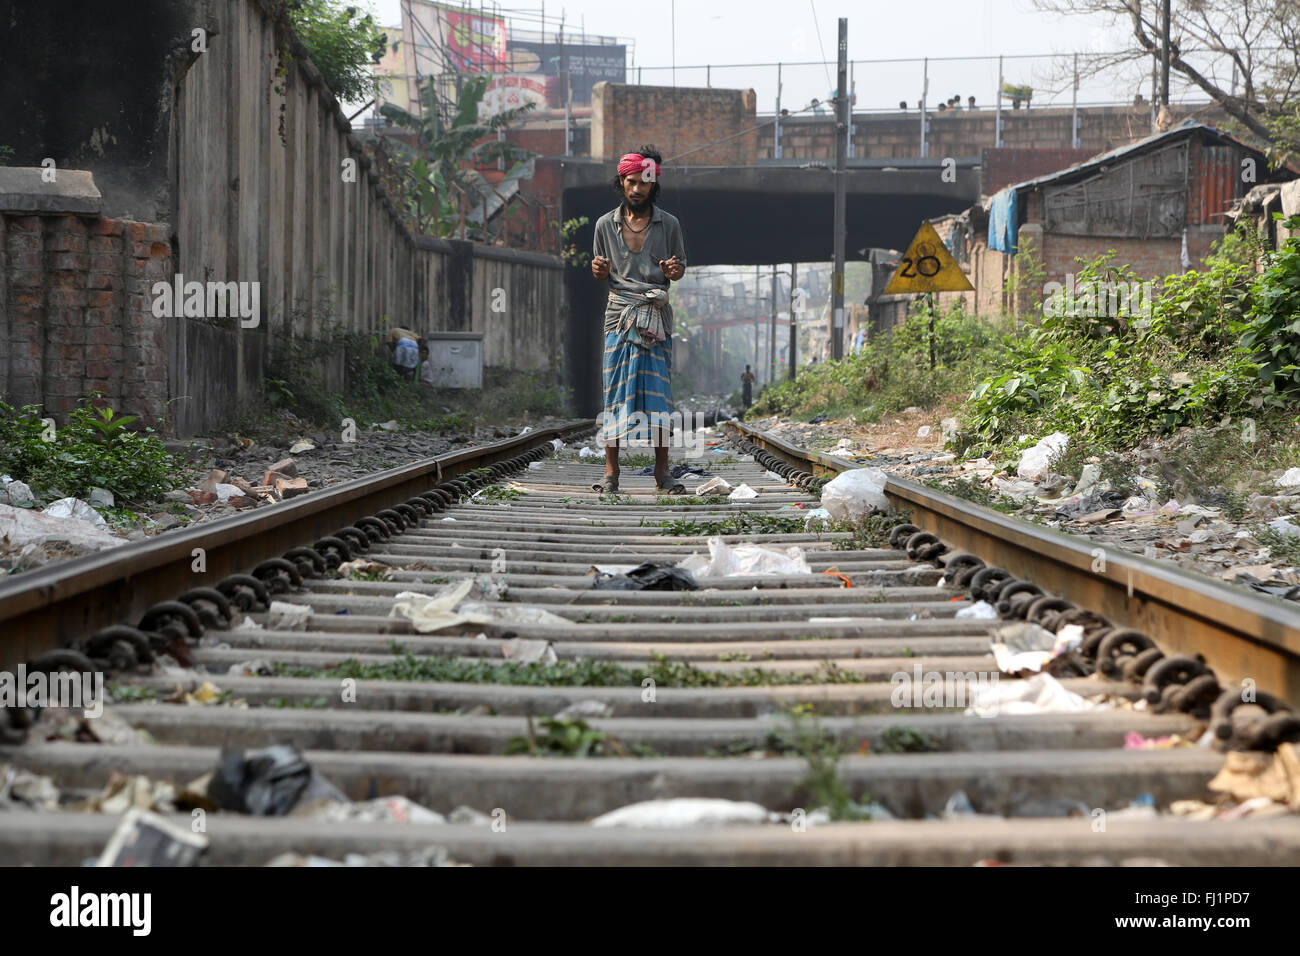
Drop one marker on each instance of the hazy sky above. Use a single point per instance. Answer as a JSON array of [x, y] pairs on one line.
[[769, 31]]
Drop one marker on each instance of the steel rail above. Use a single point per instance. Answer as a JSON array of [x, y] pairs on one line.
[[1241, 636], [49, 608]]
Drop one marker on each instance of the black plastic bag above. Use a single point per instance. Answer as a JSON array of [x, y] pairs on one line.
[[649, 577], [265, 783]]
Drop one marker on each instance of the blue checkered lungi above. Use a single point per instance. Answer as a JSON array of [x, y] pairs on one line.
[[636, 380]]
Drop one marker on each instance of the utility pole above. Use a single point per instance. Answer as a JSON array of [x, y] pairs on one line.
[[1074, 107], [853, 95], [757, 325], [925, 92], [794, 297], [997, 113], [776, 124], [841, 147], [568, 106], [771, 333], [1164, 55]]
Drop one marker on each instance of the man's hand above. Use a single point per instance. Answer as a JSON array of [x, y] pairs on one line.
[[672, 268], [600, 267]]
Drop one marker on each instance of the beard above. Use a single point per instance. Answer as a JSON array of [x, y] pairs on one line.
[[636, 205]]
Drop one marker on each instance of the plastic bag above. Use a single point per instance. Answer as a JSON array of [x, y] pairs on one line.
[[980, 610], [268, 782], [684, 812], [648, 577], [1035, 461], [715, 486], [745, 559], [855, 494], [815, 516], [75, 508]]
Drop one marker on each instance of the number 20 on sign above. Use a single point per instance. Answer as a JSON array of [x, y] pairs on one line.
[[927, 266]]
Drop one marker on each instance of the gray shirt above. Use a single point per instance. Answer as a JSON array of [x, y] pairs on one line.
[[638, 271]]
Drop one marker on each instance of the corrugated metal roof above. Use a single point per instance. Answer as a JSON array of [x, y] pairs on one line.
[[1187, 129]]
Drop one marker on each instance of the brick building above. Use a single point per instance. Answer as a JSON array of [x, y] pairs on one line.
[[1159, 204]]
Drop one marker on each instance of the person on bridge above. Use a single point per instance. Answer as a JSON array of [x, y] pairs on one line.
[[639, 251], [747, 388]]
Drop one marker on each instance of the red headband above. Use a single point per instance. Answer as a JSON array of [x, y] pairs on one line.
[[636, 163]]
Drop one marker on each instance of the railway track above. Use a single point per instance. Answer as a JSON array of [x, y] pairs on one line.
[[747, 689]]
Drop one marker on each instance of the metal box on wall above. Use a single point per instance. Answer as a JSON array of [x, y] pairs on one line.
[[456, 358]]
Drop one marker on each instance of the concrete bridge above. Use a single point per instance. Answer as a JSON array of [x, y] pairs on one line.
[[766, 214]]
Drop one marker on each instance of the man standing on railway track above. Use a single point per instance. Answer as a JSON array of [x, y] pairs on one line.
[[639, 251]]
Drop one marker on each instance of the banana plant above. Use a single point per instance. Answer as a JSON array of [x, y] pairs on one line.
[[439, 169]]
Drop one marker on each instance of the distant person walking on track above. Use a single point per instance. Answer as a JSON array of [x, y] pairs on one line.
[[639, 251], [747, 388]]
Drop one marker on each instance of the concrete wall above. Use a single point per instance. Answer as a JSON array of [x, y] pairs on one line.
[[967, 132], [252, 188]]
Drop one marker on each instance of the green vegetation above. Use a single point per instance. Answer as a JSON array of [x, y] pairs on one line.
[[498, 493], [969, 490], [563, 737], [337, 373], [1113, 369], [94, 449], [821, 781], [892, 371], [905, 740], [869, 531], [1283, 546], [298, 703], [1207, 363], [128, 694], [742, 522], [370, 575], [678, 501], [438, 182], [578, 673], [343, 43]]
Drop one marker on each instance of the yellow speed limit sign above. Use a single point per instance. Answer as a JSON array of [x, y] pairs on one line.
[[927, 266]]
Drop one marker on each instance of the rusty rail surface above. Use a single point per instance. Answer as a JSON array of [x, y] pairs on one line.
[[1241, 636], [50, 607]]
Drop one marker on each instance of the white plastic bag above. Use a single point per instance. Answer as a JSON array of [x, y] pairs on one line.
[[1035, 461], [744, 559], [75, 508], [816, 516], [684, 812], [714, 486], [741, 492], [283, 616], [1040, 694], [855, 494], [980, 610]]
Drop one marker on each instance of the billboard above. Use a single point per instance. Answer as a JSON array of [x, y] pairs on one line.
[[588, 63], [509, 91], [469, 41], [439, 40]]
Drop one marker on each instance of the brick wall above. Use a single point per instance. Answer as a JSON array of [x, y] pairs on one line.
[[1005, 167], [676, 120], [77, 312]]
